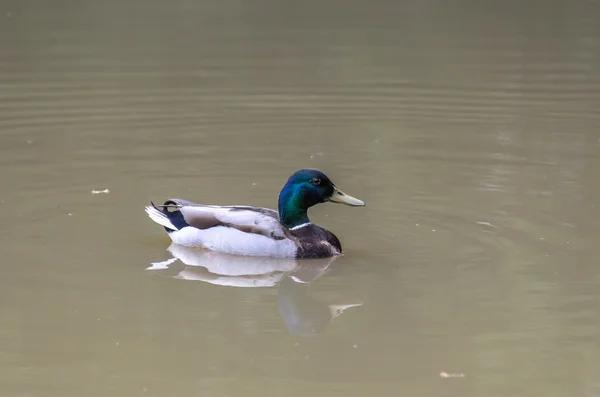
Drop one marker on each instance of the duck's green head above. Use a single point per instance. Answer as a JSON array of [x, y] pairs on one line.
[[305, 188]]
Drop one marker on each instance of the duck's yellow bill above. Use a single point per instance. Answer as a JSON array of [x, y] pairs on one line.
[[342, 198]]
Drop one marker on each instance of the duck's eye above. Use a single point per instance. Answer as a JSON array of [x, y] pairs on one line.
[[315, 181]]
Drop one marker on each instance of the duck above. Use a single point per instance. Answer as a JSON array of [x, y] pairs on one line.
[[256, 231]]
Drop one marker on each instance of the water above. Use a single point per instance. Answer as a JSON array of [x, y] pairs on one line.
[[471, 132]]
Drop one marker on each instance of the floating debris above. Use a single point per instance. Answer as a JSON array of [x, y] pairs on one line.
[[161, 265], [486, 224], [105, 191], [447, 375]]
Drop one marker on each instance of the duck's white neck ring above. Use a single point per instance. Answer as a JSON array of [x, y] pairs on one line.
[[300, 226]]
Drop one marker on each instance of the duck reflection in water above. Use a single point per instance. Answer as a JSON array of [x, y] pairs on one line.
[[302, 314]]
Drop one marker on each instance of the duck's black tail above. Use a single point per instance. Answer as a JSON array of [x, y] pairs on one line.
[[170, 220]]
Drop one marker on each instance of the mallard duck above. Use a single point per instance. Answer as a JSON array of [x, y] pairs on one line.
[[257, 231]]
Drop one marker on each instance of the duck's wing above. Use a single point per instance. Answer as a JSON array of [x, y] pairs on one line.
[[176, 214]]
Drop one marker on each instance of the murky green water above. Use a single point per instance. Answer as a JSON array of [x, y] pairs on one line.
[[472, 131]]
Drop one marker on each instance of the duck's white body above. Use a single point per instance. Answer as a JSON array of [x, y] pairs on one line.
[[236, 230], [233, 241]]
